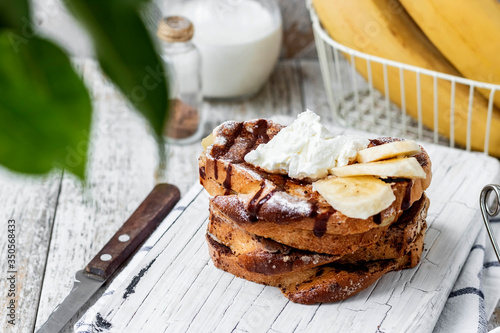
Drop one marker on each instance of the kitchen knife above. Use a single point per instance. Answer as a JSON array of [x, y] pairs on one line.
[[124, 242]]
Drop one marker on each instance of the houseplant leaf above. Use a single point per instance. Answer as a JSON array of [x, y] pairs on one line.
[[15, 14], [45, 110]]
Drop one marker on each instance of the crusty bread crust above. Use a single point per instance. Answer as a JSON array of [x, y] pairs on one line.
[[262, 255], [292, 234], [265, 256], [326, 283]]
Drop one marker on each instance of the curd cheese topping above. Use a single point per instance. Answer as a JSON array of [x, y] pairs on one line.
[[306, 149]]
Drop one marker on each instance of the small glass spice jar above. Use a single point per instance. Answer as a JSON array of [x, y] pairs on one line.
[[183, 60]]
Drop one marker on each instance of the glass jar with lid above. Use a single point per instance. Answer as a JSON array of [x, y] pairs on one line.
[[183, 61]]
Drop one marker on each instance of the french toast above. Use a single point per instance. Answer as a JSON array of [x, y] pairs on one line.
[[262, 255], [325, 283], [287, 210], [270, 228]]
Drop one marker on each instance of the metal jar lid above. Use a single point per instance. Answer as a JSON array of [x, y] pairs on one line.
[[175, 29]]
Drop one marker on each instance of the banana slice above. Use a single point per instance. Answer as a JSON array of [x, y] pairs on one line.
[[356, 197], [388, 150], [209, 140], [397, 167]]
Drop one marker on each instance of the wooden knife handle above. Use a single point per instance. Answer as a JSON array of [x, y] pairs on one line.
[[134, 231]]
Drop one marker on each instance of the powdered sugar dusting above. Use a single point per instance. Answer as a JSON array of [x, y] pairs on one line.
[[232, 207], [220, 140], [282, 201], [227, 126]]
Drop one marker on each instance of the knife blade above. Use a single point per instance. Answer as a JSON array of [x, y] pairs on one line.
[[160, 201]]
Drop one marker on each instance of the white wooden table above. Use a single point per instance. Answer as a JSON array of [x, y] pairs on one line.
[[61, 223]]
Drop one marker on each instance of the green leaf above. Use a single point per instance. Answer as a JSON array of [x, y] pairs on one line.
[[15, 14], [127, 54], [45, 109]]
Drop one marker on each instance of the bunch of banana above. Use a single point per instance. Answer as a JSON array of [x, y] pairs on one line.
[[466, 33], [383, 28]]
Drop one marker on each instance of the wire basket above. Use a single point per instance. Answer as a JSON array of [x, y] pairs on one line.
[[355, 102]]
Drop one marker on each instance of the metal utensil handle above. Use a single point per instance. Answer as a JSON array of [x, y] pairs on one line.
[[487, 213]]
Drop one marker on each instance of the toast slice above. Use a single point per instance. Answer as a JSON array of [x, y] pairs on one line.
[[325, 283], [277, 200], [292, 231], [297, 235], [268, 257]]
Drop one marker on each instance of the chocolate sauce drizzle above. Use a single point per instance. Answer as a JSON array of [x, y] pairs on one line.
[[216, 171], [202, 173], [320, 221], [219, 151], [320, 224], [227, 182], [259, 132], [383, 140], [256, 204], [407, 198]]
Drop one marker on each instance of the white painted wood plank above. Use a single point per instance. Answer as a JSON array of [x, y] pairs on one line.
[[31, 202], [247, 291], [289, 321], [122, 167], [177, 257], [184, 293], [280, 96], [234, 308], [177, 285], [263, 311], [313, 91], [213, 311]]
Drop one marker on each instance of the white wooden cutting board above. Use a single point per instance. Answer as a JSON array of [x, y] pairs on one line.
[[176, 288]]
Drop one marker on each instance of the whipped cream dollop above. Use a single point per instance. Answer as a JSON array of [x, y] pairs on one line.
[[306, 149]]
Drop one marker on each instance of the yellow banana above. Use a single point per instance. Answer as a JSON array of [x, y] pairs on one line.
[[383, 28], [466, 33]]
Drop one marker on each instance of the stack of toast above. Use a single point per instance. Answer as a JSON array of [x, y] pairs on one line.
[[278, 231]]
